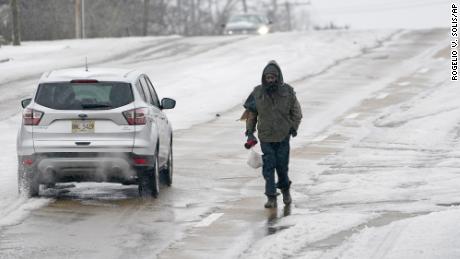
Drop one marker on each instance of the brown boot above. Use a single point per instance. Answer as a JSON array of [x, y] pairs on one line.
[[271, 202]]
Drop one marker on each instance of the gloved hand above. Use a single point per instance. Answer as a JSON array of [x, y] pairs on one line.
[[293, 132], [252, 140]]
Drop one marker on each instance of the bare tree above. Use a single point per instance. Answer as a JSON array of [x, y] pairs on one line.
[[191, 30], [16, 24], [225, 12], [288, 14], [245, 6], [49, 19], [275, 6], [145, 20], [180, 19]]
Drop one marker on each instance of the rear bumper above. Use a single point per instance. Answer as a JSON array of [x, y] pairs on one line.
[[87, 167]]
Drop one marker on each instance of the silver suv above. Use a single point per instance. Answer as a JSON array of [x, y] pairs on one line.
[[248, 24], [103, 125]]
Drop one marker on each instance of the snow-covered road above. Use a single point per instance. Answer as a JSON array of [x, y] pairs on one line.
[[374, 166]]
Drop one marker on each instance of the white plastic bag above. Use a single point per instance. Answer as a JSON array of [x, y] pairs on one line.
[[255, 159]]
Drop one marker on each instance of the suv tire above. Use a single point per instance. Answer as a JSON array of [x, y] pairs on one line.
[[149, 184], [28, 185], [166, 175]]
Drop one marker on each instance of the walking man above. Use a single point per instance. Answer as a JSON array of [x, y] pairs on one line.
[[274, 108]]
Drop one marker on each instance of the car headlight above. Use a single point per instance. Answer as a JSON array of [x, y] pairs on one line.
[[263, 30]]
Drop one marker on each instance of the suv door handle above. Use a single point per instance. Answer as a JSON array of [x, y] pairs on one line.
[[159, 116], [82, 143]]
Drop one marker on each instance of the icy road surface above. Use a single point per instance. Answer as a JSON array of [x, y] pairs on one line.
[[375, 166]]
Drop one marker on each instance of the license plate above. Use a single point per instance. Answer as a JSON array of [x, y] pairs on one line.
[[83, 126]]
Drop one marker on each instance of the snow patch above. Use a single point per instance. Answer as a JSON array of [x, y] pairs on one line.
[[405, 83], [16, 211], [209, 220], [429, 236], [302, 230]]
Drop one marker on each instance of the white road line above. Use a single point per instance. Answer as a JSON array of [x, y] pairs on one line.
[[382, 96], [320, 138], [209, 220], [404, 83], [352, 116], [423, 70]]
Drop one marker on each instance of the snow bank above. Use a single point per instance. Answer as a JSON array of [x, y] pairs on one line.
[[302, 230], [223, 77], [33, 58], [13, 212], [430, 236], [13, 209]]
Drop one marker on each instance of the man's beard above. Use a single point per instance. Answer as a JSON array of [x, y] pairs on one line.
[[271, 87]]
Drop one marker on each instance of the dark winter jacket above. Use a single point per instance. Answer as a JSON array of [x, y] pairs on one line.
[[274, 109]]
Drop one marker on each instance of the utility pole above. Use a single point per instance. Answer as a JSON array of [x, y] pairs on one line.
[[83, 30], [77, 19], [146, 17], [16, 24], [245, 6]]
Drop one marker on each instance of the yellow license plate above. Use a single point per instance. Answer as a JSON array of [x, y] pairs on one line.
[[83, 126]]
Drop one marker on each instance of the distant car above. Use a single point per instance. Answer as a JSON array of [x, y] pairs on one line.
[[103, 125], [247, 24]]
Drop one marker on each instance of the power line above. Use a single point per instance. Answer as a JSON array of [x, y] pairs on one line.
[[361, 9], [384, 3], [387, 4], [381, 8]]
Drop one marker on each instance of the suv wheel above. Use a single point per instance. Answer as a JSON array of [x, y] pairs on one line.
[[28, 185], [149, 184], [166, 175]]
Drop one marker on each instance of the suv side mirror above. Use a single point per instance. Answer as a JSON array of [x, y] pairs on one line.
[[168, 103], [26, 102]]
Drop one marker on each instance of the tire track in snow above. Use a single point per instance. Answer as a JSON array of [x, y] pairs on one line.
[[14, 212]]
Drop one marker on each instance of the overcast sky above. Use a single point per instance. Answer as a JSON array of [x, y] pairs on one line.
[[383, 13]]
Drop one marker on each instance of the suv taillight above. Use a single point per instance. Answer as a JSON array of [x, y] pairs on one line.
[[136, 116], [31, 117]]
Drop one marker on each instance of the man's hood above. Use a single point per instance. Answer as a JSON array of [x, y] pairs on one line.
[[272, 64]]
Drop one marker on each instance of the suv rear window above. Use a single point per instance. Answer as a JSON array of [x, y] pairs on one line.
[[84, 96]]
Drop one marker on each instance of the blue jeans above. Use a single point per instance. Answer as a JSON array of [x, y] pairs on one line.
[[275, 157]]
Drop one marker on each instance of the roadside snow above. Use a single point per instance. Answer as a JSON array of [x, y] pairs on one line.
[[13, 209], [206, 75], [409, 153], [430, 236], [36, 57], [301, 230], [221, 78]]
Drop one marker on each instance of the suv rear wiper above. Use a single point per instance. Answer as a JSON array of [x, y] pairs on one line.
[[95, 105]]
